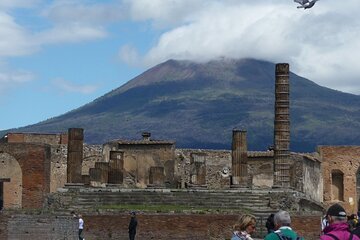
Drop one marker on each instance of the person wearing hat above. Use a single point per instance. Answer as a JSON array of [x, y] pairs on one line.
[[282, 222], [132, 226], [338, 227]]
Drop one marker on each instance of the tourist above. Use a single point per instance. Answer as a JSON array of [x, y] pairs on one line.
[[244, 227], [282, 222], [132, 226], [352, 221], [338, 227], [270, 226], [81, 227]]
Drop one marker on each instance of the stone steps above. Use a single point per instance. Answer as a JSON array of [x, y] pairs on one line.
[[220, 199]]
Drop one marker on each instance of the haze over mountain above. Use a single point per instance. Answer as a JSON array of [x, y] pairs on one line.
[[198, 105]]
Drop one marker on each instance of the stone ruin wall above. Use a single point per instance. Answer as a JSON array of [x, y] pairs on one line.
[[218, 169], [343, 160], [92, 154], [218, 165]]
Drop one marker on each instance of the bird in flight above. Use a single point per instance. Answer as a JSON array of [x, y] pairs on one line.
[[306, 3]]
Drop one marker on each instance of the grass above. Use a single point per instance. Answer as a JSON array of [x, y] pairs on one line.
[[167, 209]]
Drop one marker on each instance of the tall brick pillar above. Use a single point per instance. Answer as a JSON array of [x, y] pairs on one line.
[[282, 127], [75, 155], [239, 159]]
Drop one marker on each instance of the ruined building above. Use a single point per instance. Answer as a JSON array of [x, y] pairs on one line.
[[33, 165]]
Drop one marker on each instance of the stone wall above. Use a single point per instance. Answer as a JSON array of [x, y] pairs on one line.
[[312, 179], [260, 171], [184, 226], [36, 138], [38, 227], [345, 161], [218, 168], [150, 226], [218, 165], [139, 157], [34, 162], [92, 154]]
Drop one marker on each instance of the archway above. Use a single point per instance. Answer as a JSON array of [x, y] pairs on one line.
[[337, 186], [11, 181]]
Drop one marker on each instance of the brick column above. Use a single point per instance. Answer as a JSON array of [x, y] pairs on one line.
[[239, 159], [75, 155], [282, 127], [116, 164]]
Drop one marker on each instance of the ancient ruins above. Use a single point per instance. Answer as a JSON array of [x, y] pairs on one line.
[[36, 167]]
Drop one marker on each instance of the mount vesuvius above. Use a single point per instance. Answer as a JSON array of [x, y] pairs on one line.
[[198, 105]]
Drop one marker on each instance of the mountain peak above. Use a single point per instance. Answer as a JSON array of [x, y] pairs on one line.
[[198, 104]]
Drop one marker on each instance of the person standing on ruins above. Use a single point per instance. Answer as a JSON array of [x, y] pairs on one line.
[[81, 227], [244, 228], [132, 226]]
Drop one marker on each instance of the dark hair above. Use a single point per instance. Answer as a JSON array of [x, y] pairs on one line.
[[270, 226]]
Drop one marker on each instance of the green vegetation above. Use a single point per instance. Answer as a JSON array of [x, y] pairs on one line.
[[168, 209]]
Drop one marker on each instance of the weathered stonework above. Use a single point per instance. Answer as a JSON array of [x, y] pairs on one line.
[[340, 166]]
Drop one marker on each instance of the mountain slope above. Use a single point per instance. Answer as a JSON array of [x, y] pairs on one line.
[[198, 105]]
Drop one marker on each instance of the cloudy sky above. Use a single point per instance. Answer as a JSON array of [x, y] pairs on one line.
[[57, 55]]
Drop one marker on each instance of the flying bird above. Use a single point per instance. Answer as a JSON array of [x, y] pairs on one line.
[[305, 3]]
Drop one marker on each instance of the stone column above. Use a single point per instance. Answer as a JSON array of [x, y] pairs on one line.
[[239, 159], [75, 155], [104, 167], [282, 127], [116, 164], [197, 170]]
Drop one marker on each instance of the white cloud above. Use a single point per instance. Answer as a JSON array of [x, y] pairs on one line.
[[71, 33], [18, 3], [13, 38], [10, 78], [130, 55], [320, 43], [84, 12], [164, 13], [66, 86]]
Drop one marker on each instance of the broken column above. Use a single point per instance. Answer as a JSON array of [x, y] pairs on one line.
[[197, 170], [75, 155], [116, 164], [239, 159], [282, 127]]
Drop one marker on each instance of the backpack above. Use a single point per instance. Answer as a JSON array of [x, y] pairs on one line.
[[283, 237], [336, 238]]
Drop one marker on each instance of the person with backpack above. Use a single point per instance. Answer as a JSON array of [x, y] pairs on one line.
[[283, 230], [338, 228]]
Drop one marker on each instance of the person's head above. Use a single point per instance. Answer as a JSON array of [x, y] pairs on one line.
[[246, 223], [352, 216], [281, 218], [270, 226], [79, 216], [133, 213], [336, 213]]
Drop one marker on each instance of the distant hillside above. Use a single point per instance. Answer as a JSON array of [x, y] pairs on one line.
[[198, 105]]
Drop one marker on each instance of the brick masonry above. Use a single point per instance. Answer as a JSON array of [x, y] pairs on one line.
[[34, 160], [182, 226], [346, 160]]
